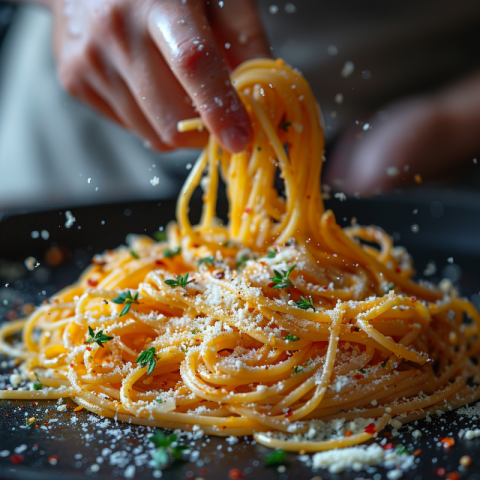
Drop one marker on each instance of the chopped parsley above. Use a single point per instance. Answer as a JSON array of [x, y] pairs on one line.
[[292, 338], [179, 282], [271, 253], [259, 148], [99, 338], [285, 126], [276, 457], [134, 254], [148, 357], [127, 299], [281, 279], [159, 400], [206, 261], [164, 449], [193, 332], [172, 253], [305, 304], [38, 384], [297, 369], [390, 286]]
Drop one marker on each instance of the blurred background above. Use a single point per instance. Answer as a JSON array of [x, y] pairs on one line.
[[361, 58]]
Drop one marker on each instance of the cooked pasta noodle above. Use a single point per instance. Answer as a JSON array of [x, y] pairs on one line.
[[287, 327]]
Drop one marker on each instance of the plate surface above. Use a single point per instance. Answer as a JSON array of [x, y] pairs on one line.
[[440, 229]]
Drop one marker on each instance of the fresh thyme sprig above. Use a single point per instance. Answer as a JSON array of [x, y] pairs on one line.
[[281, 279], [206, 261], [99, 338], [179, 282], [127, 299], [172, 253], [305, 304], [38, 384], [164, 449], [148, 357], [292, 338], [276, 457]]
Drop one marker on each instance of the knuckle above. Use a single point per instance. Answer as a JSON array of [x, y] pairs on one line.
[[171, 136], [193, 57], [111, 19]]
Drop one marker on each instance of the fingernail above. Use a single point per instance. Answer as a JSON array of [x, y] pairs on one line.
[[235, 138]]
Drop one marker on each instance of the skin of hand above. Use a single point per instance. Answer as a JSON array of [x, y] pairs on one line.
[[146, 64], [424, 138]]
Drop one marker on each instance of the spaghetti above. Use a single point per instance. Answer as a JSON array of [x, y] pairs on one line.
[[280, 324]]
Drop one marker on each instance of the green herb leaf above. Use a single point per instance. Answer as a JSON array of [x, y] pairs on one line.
[[206, 261], [276, 457], [148, 357], [177, 451], [402, 449], [305, 304], [272, 253], [172, 253], [281, 279], [285, 126], [164, 449], [127, 299], [390, 286], [98, 338], [38, 384], [243, 259], [159, 400], [160, 236], [228, 244], [134, 254], [297, 369], [292, 338], [179, 282]]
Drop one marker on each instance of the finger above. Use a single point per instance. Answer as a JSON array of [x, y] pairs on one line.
[[186, 41], [161, 98], [239, 30], [119, 97]]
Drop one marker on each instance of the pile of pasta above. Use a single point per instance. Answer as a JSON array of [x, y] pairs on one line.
[[279, 324]]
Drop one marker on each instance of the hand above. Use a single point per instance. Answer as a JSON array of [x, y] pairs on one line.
[[146, 64], [420, 139]]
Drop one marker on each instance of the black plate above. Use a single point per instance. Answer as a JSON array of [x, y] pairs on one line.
[[448, 233]]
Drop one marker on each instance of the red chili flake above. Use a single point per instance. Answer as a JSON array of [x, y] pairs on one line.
[[35, 445], [271, 284], [398, 269], [204, 471], [348, 433], [72, 365], [248, 210], [357, 376], [370, 429], [288, 413], [447, 441], [47, 423], [15, 459], [92, 282], [68, 407], [453, 476], [414, 299], [236, 474], [34, 404], [159, 263], [439, 471], [89, 349], [387, 434], [251, 310], [416, 453], [389, 446], [6, 415]]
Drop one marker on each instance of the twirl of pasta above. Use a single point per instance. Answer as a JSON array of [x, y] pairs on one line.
[[279, 324]]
